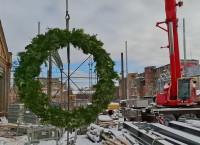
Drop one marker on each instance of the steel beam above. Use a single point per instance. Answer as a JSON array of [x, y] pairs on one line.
[[177, 110], [143, 136], [176, 134], [185, 127]]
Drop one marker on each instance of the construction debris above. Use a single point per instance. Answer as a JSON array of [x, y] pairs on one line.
[[107, 136]]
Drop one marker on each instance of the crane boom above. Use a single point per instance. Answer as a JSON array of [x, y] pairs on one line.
[[172, 21]]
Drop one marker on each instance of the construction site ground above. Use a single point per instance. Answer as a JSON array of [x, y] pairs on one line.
[[112, 130]]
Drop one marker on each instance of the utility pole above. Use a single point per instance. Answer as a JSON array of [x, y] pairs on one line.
[[127, 88], [122, 73], [67, 17], [38, 28], [184, 48], [38, 34]]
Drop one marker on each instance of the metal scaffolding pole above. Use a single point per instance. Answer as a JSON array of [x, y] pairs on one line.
[[61, 93], [49, 76], [67, 17], [90, 74]]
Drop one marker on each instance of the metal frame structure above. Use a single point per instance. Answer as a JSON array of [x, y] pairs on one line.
[[35, 135]]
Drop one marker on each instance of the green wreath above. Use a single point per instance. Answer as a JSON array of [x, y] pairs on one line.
[[30, 88]]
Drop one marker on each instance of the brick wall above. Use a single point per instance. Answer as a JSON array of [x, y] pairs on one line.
[[5, 65], [145, 84]]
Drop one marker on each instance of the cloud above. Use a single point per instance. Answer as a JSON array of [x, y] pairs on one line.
[[115, 21]]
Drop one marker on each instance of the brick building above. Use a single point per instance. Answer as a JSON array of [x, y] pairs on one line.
[[143, 84], [5, 69], [148, 83], [55, 89], [13, 98], [122, 89]]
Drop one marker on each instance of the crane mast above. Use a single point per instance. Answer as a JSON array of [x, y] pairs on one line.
[[171, 22]]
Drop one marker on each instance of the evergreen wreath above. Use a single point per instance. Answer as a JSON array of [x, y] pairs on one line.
[[37, 53]]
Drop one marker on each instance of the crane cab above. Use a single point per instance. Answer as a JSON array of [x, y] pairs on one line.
[[186, 94], [186, 91]]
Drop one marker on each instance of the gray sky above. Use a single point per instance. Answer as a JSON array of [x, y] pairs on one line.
[[114, 21]]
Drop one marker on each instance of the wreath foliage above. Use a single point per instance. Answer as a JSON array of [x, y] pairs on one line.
[[37, 53]]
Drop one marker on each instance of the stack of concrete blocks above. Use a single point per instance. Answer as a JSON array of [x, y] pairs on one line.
[[16, 113], [19, 114], [30, 117]]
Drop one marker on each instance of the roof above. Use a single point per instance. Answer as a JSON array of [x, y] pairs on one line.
[[5, 54], [2, 36]]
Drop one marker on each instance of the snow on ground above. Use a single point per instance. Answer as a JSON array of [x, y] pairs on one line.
[[21, 140], [3, 120], [104, 118], [83, 140], [63, 139], [112, 103], [194, 123]]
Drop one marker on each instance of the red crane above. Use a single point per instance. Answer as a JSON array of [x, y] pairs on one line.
[[181, 91]]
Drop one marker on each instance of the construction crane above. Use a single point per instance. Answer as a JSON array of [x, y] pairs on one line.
[[181, 91], [178, 98]]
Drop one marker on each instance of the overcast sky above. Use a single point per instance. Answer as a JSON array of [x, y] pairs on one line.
[[114, 21]]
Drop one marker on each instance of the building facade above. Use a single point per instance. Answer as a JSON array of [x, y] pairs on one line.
[[5, 69], [55, 89], [151, 81], [143, 84]]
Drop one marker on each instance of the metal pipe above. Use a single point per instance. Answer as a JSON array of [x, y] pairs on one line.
[[122, 73], [184, 48], [127, 87], [38, 28]]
